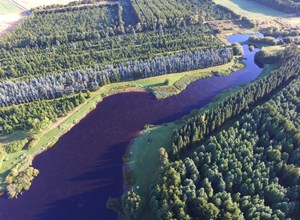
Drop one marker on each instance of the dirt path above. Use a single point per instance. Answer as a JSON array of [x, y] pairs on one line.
[[61, 120]]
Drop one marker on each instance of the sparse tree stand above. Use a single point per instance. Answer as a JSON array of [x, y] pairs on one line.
[[132, 204]]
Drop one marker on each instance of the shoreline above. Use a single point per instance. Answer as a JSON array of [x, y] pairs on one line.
[[51, 135], [126, 164]]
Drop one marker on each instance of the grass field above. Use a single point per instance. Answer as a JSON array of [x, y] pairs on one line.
[[145, 158], [7, 7], [250, 9], [274, 49]]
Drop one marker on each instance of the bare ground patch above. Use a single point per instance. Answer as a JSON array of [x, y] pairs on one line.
[[10, 21], [35, 3]]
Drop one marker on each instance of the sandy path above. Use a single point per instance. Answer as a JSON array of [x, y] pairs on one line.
[[63, 119], [35, 3]]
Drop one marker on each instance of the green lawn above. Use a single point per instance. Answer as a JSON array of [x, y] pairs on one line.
[[274, 49], [144, 161], [250, 9], [7, 7]]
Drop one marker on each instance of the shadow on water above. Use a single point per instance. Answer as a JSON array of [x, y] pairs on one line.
[[83, 205], [84, 168]]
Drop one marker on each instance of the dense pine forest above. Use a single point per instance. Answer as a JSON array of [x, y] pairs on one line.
[[72, 37], [235, 103], [54, 86], [248, 171], [172, 12], [37, 115], [61, 55]]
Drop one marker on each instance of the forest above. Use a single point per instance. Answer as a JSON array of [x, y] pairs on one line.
[[249, 171], [57, 39], [37, 115], [63, 26], [235, 103], [235, 160], [170, 12], [52, 62], [45, 58]]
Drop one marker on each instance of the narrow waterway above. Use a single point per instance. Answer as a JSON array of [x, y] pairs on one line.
[[84, 168]]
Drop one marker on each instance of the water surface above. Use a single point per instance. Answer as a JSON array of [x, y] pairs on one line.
[[84, 168], [242, 37]]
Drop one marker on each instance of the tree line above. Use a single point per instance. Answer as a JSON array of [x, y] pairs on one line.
[[248, 171], [44, 58], [53, 86], [172, 12], [37, 115], [202, 124]]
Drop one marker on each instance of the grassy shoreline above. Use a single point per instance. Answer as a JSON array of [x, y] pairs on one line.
[[51, 135]]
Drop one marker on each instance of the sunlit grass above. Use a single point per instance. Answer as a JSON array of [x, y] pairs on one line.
[[250, 9]]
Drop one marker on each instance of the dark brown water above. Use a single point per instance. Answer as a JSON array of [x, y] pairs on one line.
[[84, 168]]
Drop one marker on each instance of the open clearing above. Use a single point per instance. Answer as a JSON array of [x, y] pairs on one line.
[[144, 158], [35, 3], [250, 9], [262, 15], [10, 16], [9, 21]]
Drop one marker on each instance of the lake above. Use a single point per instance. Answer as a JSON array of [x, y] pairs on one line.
[[84, 168]]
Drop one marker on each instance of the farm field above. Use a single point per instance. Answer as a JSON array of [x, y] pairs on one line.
[[36, 3], [250, 9], [7, 7], [10, 16], [9, 21]]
